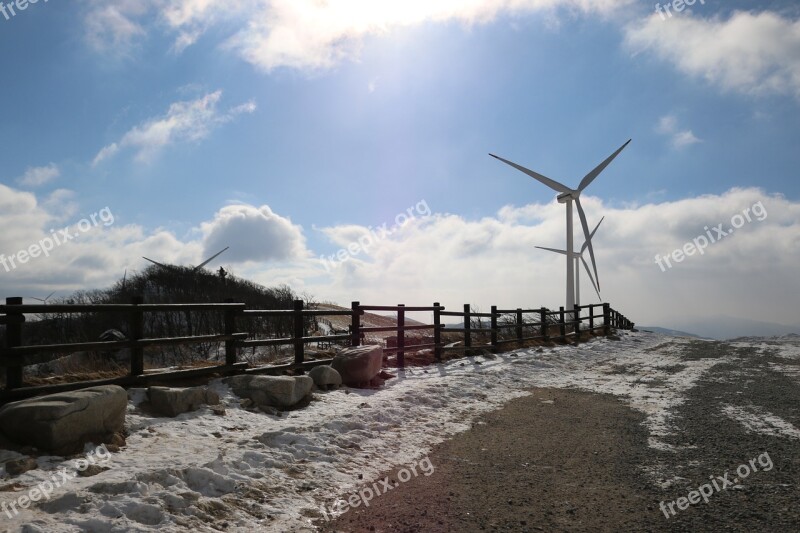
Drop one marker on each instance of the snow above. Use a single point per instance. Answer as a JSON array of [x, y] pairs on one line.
[[758, 420], [249, 471]]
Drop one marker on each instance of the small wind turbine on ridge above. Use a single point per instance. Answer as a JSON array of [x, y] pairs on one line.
[[194, 269], [45, 299]]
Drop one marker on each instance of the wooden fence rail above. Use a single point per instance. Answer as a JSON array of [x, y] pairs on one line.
[[13, 314]]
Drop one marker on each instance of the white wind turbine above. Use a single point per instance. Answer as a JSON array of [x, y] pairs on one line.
[[579, 256], [567, 196]]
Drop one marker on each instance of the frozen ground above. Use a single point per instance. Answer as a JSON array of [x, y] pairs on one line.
[[254, 472]]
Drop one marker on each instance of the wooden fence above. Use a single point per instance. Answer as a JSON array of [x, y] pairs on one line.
[[13, 315]]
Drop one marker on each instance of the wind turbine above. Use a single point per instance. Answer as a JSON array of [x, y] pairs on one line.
[[579, 256], [45, 299], [567, 196], [194, 269]]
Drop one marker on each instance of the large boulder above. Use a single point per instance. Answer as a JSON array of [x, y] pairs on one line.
[[271, 391], [62, 423], [325, 377], [358, 365], [172, 402]]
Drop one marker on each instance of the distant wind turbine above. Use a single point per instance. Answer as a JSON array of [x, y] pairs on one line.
[[567, 196], [45, 299], [579, 256], [194, 269]]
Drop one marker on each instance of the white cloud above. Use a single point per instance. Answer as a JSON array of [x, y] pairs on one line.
[[38, 176], [668, 125], [455, 260], [492, 261], [189, 121], [255, 234], [112, 26], [749, 52], [305, 34]]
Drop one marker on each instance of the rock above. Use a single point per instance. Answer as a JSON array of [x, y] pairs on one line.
[[358, 365], [92, 470], [61, 423], [269, 410], [218, 410], [325, 377], [172, 402], [20, 466], [272, 391]]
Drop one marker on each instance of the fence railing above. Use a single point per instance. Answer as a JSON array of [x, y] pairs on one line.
[[550, 325]]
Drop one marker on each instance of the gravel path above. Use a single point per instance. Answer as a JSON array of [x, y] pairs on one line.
[[567, 460]]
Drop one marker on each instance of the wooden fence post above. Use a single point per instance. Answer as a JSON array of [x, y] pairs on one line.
[[437, 331], [467, 328], [299, 333], [591, 319], [578, 321], [136, 324], [14, 323], [545, 331], [607, 318], [230, 329], [356, 325], [494, 329], [401, 336], [562, 324], [519, 325]]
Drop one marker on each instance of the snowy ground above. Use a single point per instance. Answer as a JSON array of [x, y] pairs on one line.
[[250, 471]]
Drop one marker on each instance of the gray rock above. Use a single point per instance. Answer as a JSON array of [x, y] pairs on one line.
[[16, 467], [325, 377], [358, 365], [273, 391], [61, 423], [172, 402]]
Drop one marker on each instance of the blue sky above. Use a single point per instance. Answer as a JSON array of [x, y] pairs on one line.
[[286, 129]]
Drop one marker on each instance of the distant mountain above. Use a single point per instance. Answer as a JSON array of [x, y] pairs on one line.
[[667, 331], [726, 327]]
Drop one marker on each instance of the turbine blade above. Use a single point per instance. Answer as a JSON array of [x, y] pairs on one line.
[[155, 262], [207, 261], [49, 295], [562, 252], [594, 173], [586, 266], [588, 238], [556, 186], [591, 236]]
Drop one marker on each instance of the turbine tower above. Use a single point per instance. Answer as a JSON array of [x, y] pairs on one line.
[[579, 256], [568, 196]]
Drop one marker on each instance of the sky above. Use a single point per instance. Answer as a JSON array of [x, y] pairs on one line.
[[342, 147]]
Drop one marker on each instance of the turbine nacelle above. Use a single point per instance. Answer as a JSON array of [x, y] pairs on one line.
[[567, 196]]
